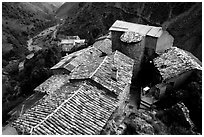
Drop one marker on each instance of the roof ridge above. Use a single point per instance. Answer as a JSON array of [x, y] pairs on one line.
[[97, 68], [56, 109]]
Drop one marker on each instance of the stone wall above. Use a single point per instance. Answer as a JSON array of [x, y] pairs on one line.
[[132, 50]]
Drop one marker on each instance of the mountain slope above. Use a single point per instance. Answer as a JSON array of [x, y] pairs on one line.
[[68, 9], [94, 19], [21, 20], [187, 30]]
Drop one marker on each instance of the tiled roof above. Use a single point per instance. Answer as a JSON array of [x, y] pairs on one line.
[[104, 46], [65, 59], [91, 65], [79, 107], [124, 68], [44, 107], [174, 62], [84, 111], [85, 70], [100, 70], [53, 83], [139, 28], [75, 59]]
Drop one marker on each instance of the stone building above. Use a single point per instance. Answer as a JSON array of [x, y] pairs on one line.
[[68, 43], [152, 41]]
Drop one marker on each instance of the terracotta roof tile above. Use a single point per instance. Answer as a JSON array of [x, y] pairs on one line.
[[45, 106], [86, 111]]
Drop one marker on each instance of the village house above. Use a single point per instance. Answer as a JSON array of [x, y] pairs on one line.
[[68, 43], [175, 66], [81, 100]]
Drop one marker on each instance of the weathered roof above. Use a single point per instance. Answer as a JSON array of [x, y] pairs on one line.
[[53, 83], [77, 58], [66, 58], [79, 107], [104, 46], [45, 106], [90, 65], [86, 68], [100, 70], [175, 61], [84, 111], [139, 28], [124, 68]]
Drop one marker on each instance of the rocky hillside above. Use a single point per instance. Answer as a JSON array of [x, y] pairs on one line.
[[94, 19], [21, 20], [68, 9], [187, 30]]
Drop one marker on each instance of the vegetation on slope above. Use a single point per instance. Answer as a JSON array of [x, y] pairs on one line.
[[20, 85], [21, 20], [94, 19]]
